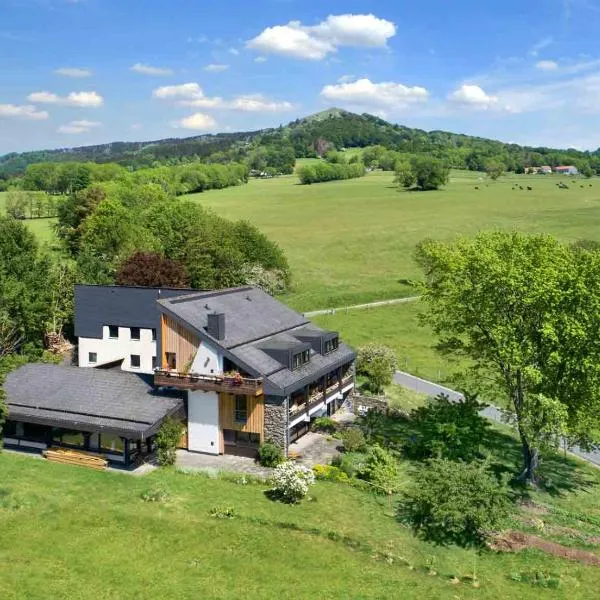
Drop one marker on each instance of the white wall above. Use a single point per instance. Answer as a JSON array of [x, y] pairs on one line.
[[203, 422], [109, 350], [208, 361]]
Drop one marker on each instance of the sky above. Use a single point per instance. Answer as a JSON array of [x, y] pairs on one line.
[[80, 72]]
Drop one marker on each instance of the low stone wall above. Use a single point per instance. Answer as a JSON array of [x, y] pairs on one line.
[[361, 403]]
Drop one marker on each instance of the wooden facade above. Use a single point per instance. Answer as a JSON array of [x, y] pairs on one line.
[[179, 341], [255, 422]]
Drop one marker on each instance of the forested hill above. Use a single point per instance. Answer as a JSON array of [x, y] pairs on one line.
[[308, 137]]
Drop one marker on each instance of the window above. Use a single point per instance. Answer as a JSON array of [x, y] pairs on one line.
[[113, 331], [92, 357], [331, 345], [134, 333], [300, 359], [171, 360], [135, 361], [241, 409], [153, 335]]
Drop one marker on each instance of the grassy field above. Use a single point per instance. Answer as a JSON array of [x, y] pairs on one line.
[[42, 228], [352, 241], [70, 533]]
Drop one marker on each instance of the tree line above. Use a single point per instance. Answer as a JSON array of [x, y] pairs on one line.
[[326, 171]]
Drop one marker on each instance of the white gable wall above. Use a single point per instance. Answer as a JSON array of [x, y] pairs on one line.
[[203, 422], [111, 349], [208, 360]]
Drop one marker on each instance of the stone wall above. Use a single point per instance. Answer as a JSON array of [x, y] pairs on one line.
[[276, 421], [360, 402]]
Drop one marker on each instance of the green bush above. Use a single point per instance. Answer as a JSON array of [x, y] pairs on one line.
[[353, 440], [349, 462], [446, 429], [455, 502], [325, 424], [222, 512], [167, 439], [329, 473], [380, 469], [270, 455], [155, 495]]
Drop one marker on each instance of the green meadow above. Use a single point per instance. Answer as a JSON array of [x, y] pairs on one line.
[[352, 241], [42, 228]]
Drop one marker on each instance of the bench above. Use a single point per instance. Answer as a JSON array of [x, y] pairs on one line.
[[73, 457]]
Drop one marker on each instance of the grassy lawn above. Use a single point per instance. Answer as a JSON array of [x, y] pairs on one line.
[[352, 241], [42, 228], [396, 326], [72, 533]]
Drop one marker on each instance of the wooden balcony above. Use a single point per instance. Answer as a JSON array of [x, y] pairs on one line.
[[208, 383], [346, 381]]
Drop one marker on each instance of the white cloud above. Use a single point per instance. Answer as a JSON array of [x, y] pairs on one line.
[[197, 122], [191, 94], [216, 68], [260, 59], [258, 103], [77, 99], [23, 111], [346, 79], [473, 96], [150, 70], [188, 91], [234, 51], [75, 72], [82, 126], [546, 65], [375, 96], [316, 42], [543, 43]]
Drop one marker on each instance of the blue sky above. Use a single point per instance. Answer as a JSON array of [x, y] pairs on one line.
[[78, 72]]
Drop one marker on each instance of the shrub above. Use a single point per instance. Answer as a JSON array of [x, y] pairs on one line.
[[354, 440], [269, 454], [167, 439], [455, 503], [329, 473], [380, 469], [377, 363], [155, 495], [446, 429], [222, 512], [290, 482], [325, 424], [350, 462]]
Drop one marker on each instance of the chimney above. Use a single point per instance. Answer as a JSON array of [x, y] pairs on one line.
[[216, 325]]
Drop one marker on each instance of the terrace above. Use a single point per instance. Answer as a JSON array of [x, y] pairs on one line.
[[230, 384]]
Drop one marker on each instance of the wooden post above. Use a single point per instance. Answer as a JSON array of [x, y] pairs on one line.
[[126, 450]]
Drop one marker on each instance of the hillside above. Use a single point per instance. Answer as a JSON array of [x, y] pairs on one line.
[[341, 128]]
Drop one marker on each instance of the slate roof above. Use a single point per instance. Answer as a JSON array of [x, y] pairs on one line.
[[250, 313], [253, 319], [87, 399]]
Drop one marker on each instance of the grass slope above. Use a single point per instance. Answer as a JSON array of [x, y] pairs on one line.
[[352, 241], [70, 533]]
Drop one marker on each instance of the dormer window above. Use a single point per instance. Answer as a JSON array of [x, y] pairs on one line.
[[331, 345], [299, 359]]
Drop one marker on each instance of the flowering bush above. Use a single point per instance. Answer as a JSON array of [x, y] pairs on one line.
[[290, 482]]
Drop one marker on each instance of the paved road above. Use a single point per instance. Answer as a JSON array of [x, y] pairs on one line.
[[332, 311], [491, 412]]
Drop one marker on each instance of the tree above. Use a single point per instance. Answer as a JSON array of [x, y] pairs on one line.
[[150, 269], [378, 364], [525, 310], [167, 439], [494, 169], [455, 502], [424, 172], [586, 170]]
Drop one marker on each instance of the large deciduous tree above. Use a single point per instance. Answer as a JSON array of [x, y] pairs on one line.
[[423, 172], [150, 269], [525, 310]]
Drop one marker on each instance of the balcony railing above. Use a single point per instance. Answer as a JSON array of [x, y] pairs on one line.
[[347, 380], [212, 383]]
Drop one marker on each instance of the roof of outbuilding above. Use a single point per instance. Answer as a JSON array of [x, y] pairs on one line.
[[250, 313], [87, 399]]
